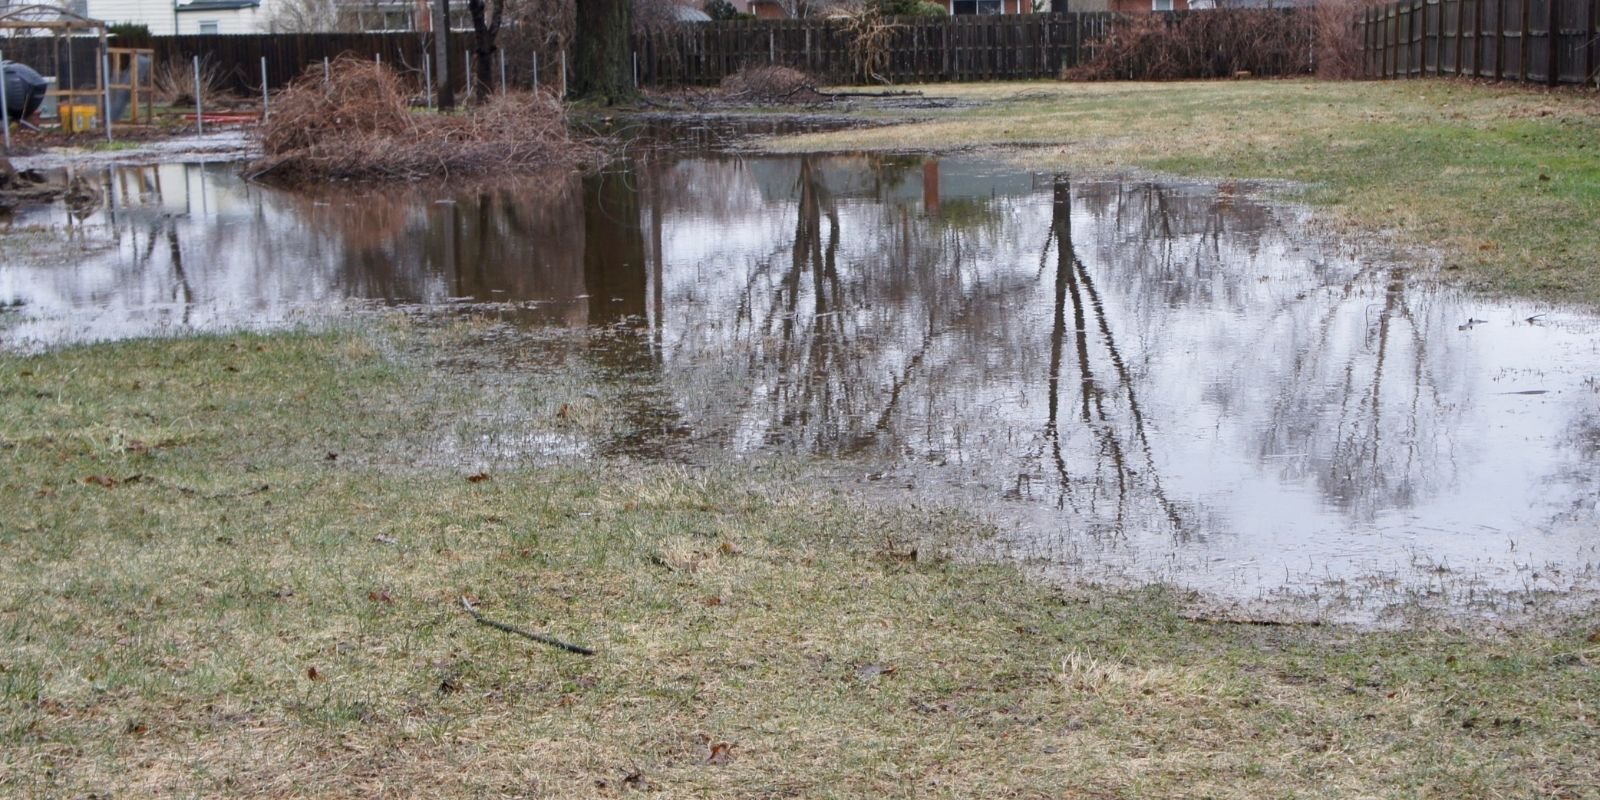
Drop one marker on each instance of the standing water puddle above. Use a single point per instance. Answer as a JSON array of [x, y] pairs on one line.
[[1172, 381]]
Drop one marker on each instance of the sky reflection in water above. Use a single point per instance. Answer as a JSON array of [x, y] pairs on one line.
[[1164, 380]]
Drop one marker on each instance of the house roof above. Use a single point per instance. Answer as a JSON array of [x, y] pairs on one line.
[[218, 5]]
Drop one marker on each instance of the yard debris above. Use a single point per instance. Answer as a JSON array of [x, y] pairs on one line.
[[720, 754], [356, 123], [770, 84], [23, 187]]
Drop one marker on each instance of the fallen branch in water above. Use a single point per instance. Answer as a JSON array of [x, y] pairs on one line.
[[534, 635], [902, 93]]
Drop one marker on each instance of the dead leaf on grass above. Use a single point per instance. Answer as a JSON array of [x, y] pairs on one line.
[[313, 674], [380, 596], [721, 753], [478, 477], [101, 480]]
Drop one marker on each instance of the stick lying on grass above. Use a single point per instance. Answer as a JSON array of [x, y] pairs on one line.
[[538, 637]]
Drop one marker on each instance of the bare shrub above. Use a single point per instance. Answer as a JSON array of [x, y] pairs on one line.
[[173, 81], [357, 125], [1338, 48], [871, 35], [1209, 44], [769, 84]]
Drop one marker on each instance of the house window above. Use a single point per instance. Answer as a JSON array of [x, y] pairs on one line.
[[208, 27], [1160, 5], [976, 6]]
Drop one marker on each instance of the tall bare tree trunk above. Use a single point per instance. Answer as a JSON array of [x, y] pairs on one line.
[[441, 55], [602, 64], [486, 16]]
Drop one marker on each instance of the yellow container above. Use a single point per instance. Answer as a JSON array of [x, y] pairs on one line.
[[77, 118]]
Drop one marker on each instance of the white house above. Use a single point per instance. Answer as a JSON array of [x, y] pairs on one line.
[[166, 17]]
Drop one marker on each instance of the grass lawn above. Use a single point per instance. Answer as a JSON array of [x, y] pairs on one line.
[[232, 566], [1502, 183]]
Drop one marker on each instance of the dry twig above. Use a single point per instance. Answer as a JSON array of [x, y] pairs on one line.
[[534, 635]]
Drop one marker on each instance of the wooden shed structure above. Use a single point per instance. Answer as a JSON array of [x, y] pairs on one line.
[[68, 47]]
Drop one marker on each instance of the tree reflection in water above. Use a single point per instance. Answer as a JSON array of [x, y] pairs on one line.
[[1151, 360], [1110, 476]]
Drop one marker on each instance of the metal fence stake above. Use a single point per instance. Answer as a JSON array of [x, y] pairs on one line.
[[199, 108], [105, 88], [5, 113]]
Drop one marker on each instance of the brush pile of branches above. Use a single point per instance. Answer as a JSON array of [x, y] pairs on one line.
[[1206, 44], [356, 124], [769, 85]]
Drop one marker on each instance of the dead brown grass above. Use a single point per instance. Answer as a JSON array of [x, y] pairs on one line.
[[250, 618], [356, 124]]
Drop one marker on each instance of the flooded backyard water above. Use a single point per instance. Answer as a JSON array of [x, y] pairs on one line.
[[1136, 379]]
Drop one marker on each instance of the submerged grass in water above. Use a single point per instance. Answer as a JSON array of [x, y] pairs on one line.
[[222, 575]]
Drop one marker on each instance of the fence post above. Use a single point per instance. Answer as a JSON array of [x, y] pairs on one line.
[[199, 111], [105, 88], [502, 72], [1439, 35], [1461, 24], [1593, 34], [1480, 12], [427, 79], [536, 72], [1526, 56], [266, 106], [5, 113], [563, 75], [1553, 37]]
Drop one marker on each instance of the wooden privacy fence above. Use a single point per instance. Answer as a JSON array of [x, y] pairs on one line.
[[237, 57], [1543, 41], [916, 49]]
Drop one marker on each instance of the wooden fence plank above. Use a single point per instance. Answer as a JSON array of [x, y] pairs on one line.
[[1538, 41]]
